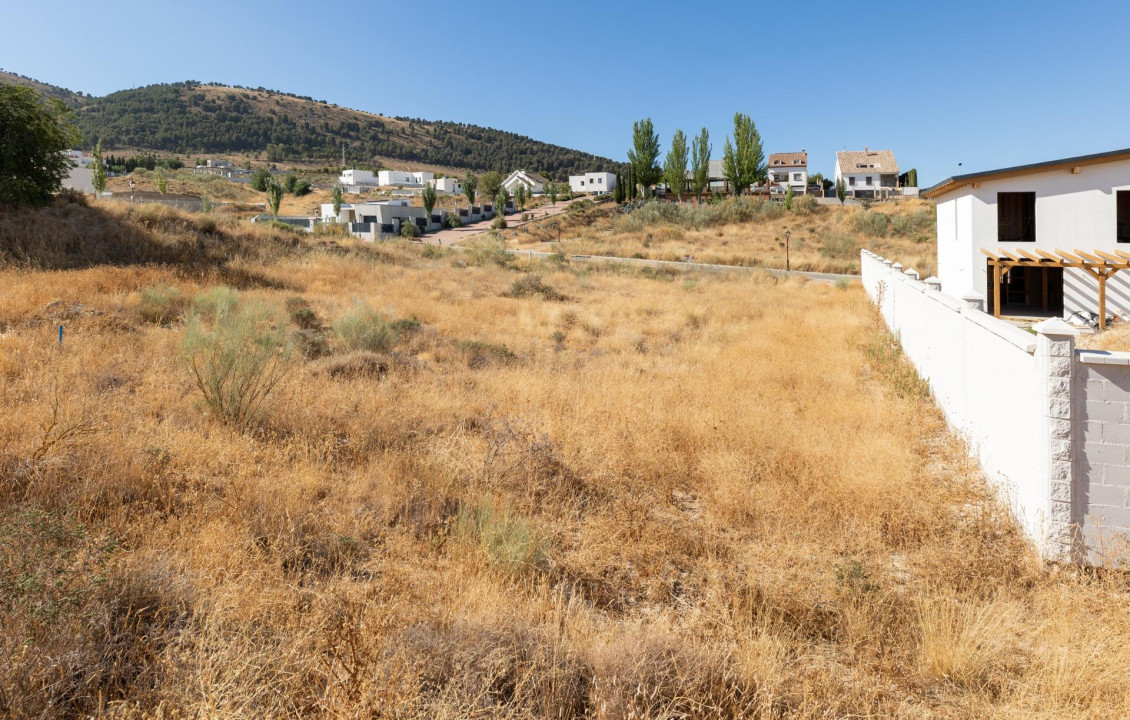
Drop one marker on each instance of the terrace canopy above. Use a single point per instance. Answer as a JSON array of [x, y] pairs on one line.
[[1098, 263]]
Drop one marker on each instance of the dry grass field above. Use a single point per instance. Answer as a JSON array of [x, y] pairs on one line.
[[485, 489], [751, 232]]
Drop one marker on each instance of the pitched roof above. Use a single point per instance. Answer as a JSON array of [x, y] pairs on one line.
[[531, 176], [866, 160], [792, 159], [953, 183]]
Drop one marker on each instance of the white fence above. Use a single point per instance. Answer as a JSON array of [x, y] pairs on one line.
[[1049, 424]]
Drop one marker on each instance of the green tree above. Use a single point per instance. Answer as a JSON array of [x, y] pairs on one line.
[[274, 196], [551, 191], [470, 183], [700, 163], [743, 161], [841, 190], [335, 197], [428, 198], [489, 182], [789, 197], [500, 207], [162, 181], [98, 172], [644, 155], [34, 134], [618, 191], [290, 183], [259, 180], [520, 197], [675, 165]]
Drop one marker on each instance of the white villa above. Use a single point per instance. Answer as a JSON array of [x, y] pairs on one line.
[[534, 183], [1043, 239], [405, 178], [789, 170], [357, 180], [595, 183], [448, 186], [867, 173]]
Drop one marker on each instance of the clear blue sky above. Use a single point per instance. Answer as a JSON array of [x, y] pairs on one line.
[[987, 84]]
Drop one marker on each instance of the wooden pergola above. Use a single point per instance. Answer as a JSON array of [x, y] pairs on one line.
[[1098, 263]]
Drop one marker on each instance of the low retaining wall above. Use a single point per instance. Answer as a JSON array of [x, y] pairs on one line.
[[1049, 424]]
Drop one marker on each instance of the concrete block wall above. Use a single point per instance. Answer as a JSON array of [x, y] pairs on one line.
[[1049, 424], [1101, 468]]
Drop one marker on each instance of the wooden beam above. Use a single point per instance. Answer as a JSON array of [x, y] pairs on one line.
[[1122, 254], [989, 254], [1090, 256], [1029, 255], [996, 290], [1007, 254], [1102, 302], [1113, 259], [1049, 256], [1069, 257]]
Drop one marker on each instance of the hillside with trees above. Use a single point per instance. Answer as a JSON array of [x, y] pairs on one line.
[[194, 118]]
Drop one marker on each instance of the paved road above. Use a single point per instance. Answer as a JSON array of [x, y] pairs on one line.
[[452, 236]]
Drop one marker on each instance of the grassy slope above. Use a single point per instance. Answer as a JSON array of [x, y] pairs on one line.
[[823, 238], [700, 497]]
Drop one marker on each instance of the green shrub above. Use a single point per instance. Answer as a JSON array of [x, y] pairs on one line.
[[408, 229], [363, 328], [805, 205], [214, 302], [532, 286], [921, 222], [235, 352], [301, 188], [499, 222], [404, 326], [481, 354], [507, 542], [491, 251], [453, 220], [837, 245], [160, 304], [872, 224]]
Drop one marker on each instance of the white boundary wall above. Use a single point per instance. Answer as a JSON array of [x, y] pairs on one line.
[[1049, 425]]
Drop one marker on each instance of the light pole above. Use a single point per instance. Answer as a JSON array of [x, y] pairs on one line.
[[787, 234]]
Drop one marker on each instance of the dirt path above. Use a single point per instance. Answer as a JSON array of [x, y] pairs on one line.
[[453, 236]]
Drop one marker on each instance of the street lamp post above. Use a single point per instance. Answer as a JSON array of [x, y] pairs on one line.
[[787, 265]]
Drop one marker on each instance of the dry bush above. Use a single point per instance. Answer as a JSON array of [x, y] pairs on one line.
[[235, 352]]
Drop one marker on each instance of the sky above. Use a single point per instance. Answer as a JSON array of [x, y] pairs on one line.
[[950, 87]]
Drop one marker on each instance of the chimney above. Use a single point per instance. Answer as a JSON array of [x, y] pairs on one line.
[[865, 149]]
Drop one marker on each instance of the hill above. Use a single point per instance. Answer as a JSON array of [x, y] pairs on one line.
[[194, 118]]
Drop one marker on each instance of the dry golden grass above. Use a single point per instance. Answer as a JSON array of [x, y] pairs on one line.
[[668, 496], [823, 238]]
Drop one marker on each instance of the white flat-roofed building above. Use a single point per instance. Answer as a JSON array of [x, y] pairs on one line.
[[593, 183]]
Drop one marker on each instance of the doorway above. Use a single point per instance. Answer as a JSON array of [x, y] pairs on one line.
[[1028, 291]]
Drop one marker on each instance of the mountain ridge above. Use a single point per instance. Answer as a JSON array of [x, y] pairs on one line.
[[193, 118]]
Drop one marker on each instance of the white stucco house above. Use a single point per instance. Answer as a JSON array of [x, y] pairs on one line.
[[534, 183], [405, 178], [788, 170], [867, 172], [1037, 221], [448, 186], [593, 183], [357, 178]]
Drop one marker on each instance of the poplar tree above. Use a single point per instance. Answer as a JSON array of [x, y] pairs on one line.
[[470, 182], [675, 165], [335, 197], [700, 163], [644, 155], [428, 197], [98, 173], [743, 161]]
